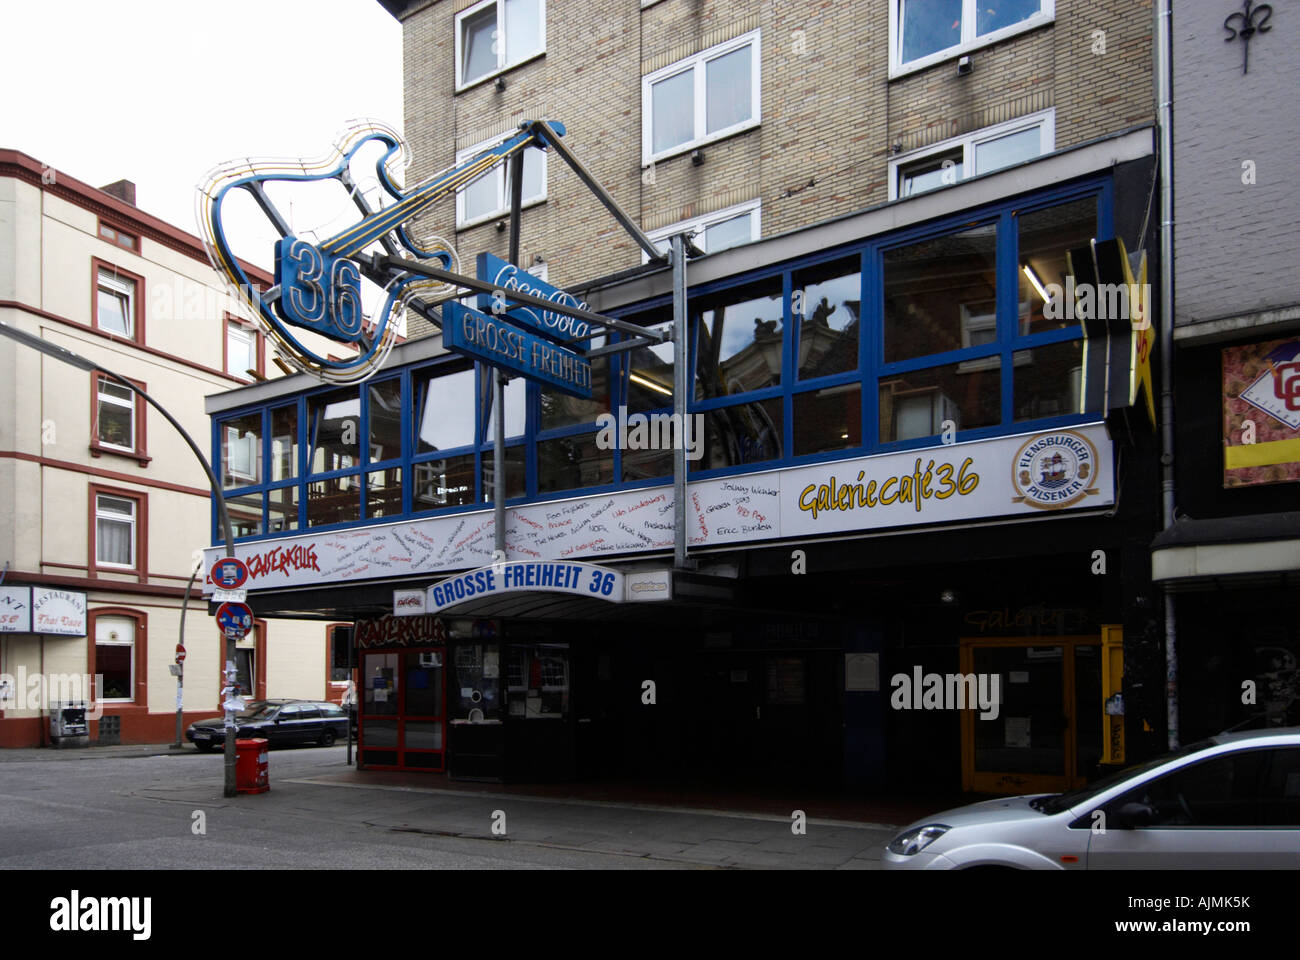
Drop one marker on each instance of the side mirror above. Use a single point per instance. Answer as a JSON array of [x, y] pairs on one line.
[[1134, 814]]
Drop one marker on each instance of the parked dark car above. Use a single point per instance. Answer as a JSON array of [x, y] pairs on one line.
[[280, 722]]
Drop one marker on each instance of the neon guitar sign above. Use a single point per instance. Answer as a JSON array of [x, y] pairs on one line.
[[318, 284]]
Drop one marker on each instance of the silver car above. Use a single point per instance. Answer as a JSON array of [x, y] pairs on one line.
[[1229, 802]]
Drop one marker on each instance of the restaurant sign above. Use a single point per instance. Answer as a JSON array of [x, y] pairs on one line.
[[58, 612]]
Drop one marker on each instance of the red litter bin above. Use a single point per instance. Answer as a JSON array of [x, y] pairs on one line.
[[252, 770]]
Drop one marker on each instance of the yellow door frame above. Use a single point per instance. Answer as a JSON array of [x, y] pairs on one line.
[[985, 781]]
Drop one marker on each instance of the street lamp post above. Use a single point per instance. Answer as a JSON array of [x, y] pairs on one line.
[[90, 366]]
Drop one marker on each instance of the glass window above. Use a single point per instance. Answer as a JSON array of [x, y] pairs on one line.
[[673, 103], [241, 450], [241, 353], [284, 443], [829, 419], [384, 492], [683, 108], [114, 531], [516, 408], [714, 233], [379, 678], [115, 305], [569, 463], [337, 500], [385, 420], [423, 687], [115, 412], [1280, 796], [1002, 152], [334, 426], [1047, 380], [740, 340], [728, 233], [933, 26], [478, 44], [245, 514], [515, 472], [489, 194], [340, 638], [1046, 237], [650, 368], [827, 305], [115, 657], [727, 94], [444, 411], [934, 288], [483, 48], [1220, 792], [916, 404], [475, 694], [939, 170], [283, 514], [444, 483], [562, 410], [749, 433], [930, 26]]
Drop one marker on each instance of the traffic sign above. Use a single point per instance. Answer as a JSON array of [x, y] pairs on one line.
[[234, 620], [229, 573], [180, 653]]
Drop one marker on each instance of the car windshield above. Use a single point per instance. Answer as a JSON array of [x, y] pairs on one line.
[[1073, 798], [259, 711]]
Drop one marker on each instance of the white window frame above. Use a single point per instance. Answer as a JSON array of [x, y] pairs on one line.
[[252, 443], [502, 65], [500, 172], [117, 518], [100, 399], [1044, 120], [249, 337], [123, 287], [969, 41], [697, 225], [134, 626], [697, 63]]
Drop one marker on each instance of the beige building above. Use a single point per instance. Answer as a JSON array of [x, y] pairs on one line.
[[102, 505], [745, 119]]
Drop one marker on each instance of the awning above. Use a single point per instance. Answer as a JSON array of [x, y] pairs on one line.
[[1255, 550]]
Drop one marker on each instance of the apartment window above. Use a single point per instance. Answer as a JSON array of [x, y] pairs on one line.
[[489, 195], [241, 450], [127, 241], [975, 153], [115, 657], [117, 415], [496, 35], [115, 303], [243, 350], [717, 231], [116, 531], [703, 98], [924, 32]]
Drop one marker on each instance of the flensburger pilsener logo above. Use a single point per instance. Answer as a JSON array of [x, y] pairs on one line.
[[77, 914], [1054, 470]]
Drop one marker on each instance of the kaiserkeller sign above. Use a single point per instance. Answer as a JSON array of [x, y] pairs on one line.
[[390, 631], [1022, 475]]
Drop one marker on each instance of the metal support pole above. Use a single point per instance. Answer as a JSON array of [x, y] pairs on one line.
[[681, 384], [180, 666], [355, 708]]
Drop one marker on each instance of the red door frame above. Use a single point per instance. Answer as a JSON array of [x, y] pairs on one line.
[[400, 716]]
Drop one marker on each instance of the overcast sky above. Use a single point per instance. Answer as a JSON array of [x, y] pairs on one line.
[[160, 91]]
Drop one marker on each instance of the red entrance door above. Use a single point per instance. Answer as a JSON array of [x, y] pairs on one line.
[[403, 719]]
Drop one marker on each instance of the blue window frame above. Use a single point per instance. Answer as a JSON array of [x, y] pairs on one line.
[[865, 348]]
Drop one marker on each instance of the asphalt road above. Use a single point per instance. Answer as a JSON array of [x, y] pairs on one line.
[[90, 811]]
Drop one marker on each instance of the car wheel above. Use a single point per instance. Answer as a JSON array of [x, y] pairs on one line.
[[203, 747], [327, 738]]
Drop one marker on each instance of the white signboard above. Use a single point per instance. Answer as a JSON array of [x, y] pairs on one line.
[[60, 612], [1028, 474], [648, 586], [15, 609], [408, 603]]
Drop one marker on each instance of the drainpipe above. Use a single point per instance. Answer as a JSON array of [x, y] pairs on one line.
[[1164, 99]]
